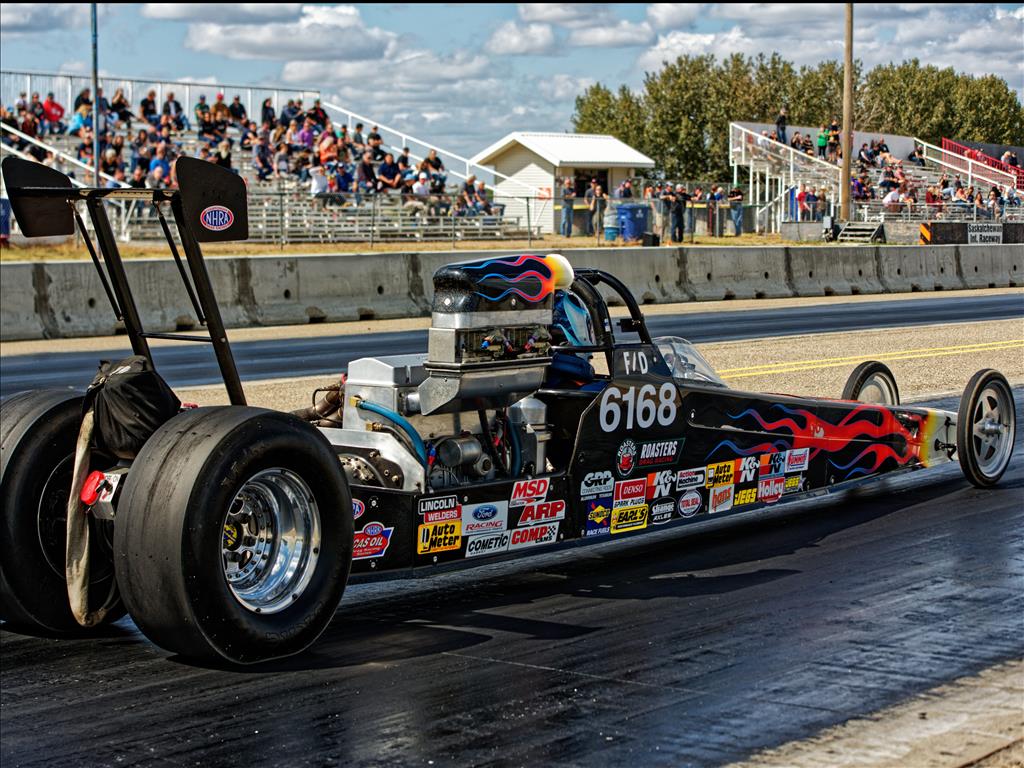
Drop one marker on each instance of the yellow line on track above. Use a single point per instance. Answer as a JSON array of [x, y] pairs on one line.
[[837, 362]]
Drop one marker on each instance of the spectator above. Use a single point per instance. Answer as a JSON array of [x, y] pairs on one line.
[[156, 178], [207, 129], [201, 110], [84, 97], [172, 110], [262, 161], [160, 160], [405, 166], [222, 156], [307, 134], [797, 142], [109, 162], [763, 141], [289, 113], [319, 116], [780, 125], [327, 149], [148, 110], [220, 113], [822, 142], [358, 142], [865, 156], [892, 201], [121, 109], [812, 204], [803, 210], [80, 121], [736, 209], [598, 204], [568, 198], [626, 190], [481, 201], [318, 183], [138, 178], [389, 175], [117, 181], [375, 142], [677, 201], [267, 114], [917, 156], [833, 140], [282, 162], [468, 191], [54, 114], [807, 146], [366, 177], [237, 111]]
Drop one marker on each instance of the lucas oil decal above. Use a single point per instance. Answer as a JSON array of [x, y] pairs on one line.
[[528, 491], [629, 518], [216, 218], [358, 508], [542, 512], [371, 542], [439, 537], [483, 518], [441, 508]]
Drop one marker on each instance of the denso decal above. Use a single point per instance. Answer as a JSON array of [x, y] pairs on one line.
[[599, 515], [794, 483], [658, 453], [689, 503], [720, 473], [629, 519], [527, 491], [770, 489], [746, 469], [690, 478], [661, 511], [216, 218], [542, 512], [357, 509], [796, 459], [630, 493], [597, 484], [773, 464], [487, 544], [371, 542], [745, 496], [439, 537], [660, 483], [484, 518], [440, 509], [534, 536], [721, 499], [625, 458]]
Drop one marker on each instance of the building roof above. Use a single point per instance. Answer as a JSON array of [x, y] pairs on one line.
[[570, 149]]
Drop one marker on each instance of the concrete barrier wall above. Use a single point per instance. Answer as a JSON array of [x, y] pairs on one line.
[[65, 298]]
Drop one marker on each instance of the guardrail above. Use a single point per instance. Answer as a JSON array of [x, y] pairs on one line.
[[879, 211], [962, 150], [973, 168]]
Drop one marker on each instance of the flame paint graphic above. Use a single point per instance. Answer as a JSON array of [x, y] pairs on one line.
[[776, 447], [533, 285]]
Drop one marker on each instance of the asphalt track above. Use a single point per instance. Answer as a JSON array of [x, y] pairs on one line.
[[194, 364], [675, 649]]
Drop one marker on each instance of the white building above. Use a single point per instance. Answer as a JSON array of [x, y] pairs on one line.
[[536, 164]]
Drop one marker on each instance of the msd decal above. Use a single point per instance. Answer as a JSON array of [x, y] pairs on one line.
[[796, 459], [487, 544], [216, 218], [357, 509], [721, 499], [689, 503], [660, 483], [542, 512], [746, 469], [528, 491], [534, 536], [691, 478], [371, 542], [440, 509], [770, 489], [625, 458], [484, 518], [596, 484], [630, 493]]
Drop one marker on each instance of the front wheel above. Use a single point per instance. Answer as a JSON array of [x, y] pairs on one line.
[[234, 535], [985, 428]]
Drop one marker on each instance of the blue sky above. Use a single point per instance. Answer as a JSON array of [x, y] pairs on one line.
[[464, 75]]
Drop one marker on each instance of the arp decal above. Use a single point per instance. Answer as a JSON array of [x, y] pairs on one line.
[[488, 544], [661, 511], [439, 537], [625, 458], [216, 218], [747, 468], [487, 517], [534, 536], [691, 478], [596, 484], [440, 509], [629, 519], [528, 491], [720, 473], [358, 508], [542, 512], [630, 493], [690, 503], [599, 515], [797, 459], [371, 542], [721, 498], [660, 483], [770, 489]]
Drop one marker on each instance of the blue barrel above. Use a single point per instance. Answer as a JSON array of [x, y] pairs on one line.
[[633, 220], [611, 234]]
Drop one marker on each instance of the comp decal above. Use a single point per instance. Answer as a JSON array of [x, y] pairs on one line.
[[439, 537], [533, 536], [371, 542]]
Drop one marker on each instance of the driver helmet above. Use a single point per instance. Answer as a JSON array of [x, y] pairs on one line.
[[571, 320]]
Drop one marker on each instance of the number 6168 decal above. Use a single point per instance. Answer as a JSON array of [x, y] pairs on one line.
[[641, 407]]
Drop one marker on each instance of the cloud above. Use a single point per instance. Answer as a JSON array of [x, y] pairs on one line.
[[223, 13], [672, 15], [42, 17], [328, 33], [562, 88], [621, 35], [511, 39], [571, 15]]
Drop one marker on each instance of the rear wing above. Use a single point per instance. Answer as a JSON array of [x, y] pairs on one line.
[[208, 207]]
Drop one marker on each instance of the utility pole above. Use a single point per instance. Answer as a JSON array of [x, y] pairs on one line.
[[95, 101], [844, 180]]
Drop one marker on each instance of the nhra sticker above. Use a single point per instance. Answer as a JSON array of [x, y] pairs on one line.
[[596, 484], [625, 458], [527, 491], [661, 511], [689, 504], [660, 483], [720, 474], [357, 509], [659, 453], [542, 512], [690, 478], [370, 542], [796, 459], [440, 509], [439, 537], [747, 468], [629, 519], [484, 518], [534, 536], [773, 464], [629, 493], [721, 499], [487, 544], [770, 489], [599, 517], [216, 218]]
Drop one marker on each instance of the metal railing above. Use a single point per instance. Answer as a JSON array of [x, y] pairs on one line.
[[973, 168], [962, 150], [876, 210]]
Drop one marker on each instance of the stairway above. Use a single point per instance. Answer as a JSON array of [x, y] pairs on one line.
[[862, 232]]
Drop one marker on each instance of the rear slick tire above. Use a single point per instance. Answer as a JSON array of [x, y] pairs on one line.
[[875, 382], [234, 535], [986, 427]]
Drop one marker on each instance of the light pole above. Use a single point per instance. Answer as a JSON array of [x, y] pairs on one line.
[[844, 180], [95, 101]]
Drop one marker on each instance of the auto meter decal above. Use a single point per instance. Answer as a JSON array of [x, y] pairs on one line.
[[526, 491], [216, 218], [721, 499], [660, 483], [440, 509], [357, 509], [599, 516], [630, 492], [438, 537], [533, 536], [542, 512], [720, 474], [625, 458], [596, 484], [770, 489], [626, 519], [661, 511], [690, 503], [484, 518], [488, 544], [370, 542], [691, 478]]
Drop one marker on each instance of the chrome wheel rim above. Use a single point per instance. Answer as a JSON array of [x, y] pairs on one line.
[[992, 428], [270, 540], [878, 389]]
